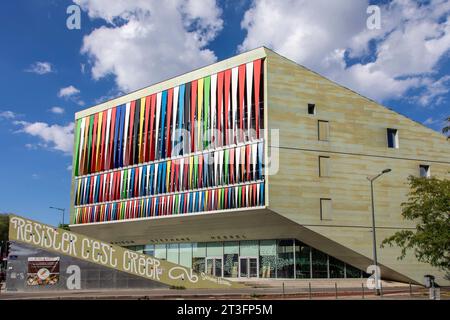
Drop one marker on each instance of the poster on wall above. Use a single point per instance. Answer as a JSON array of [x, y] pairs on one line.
[[43, 271]]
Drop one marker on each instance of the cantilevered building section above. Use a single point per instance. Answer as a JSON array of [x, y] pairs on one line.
[[251, 167]]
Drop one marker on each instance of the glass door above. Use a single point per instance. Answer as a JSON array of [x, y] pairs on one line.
[[214, 266], [248, 267]]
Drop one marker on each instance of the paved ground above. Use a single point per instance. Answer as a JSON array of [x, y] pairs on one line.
[[256, 290]]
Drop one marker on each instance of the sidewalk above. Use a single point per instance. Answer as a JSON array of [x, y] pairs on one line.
[[290, 292]]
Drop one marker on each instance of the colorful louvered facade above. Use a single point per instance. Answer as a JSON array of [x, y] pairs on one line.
[[195, 147]]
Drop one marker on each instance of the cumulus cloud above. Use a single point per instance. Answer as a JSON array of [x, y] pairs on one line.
[[331, 37], [142, 42], [40, 67], [53, 136], [68, 92], [57, 110]]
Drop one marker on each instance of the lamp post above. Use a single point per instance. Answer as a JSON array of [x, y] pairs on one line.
[[375, 260], [63, 213]]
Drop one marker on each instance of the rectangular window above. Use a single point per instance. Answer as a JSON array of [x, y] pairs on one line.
[[324, 130], [325, 209], [311, 108], [324, 166], [319, 264], [392, 138], [172, 252], [424, 171]]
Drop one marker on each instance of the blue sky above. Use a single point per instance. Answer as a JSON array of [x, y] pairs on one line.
[[49, 72]]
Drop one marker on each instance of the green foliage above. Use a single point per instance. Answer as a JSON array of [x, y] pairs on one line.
[[4, 226], [64, 226], [446, 129], [429, 206]]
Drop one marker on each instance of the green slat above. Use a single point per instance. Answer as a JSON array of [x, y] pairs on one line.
[[77, 147]]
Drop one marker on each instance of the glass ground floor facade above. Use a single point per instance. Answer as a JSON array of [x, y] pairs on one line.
[[277, 259]]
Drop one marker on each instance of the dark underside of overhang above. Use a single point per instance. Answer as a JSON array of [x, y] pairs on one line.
[[224, 226]]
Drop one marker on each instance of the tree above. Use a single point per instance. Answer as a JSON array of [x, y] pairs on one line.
[[429, 206], [446, 129], [4, 227]]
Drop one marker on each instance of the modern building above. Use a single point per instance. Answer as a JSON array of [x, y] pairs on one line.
[[252, 167]]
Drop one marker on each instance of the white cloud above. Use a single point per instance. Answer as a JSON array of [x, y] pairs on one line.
[[40, 67], [143, 42], [435, 91], [54, 136], [68, 92], [57, 110], [69, 167], [320, 34], [9, 115]]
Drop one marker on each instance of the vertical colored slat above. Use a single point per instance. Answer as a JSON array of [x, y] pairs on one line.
[[82, 146], [226, 105], [103, 139], [212, 122], [146, 129], [152, 121], [134, 159], [157, 129], [131, 132], [206, 123], [105, 164], [77, 147], [187, 117], [192, 114], [168, 140], [199, 143], [125, 134], [249, 84], [141, 131], [89, 146], [180, 138], [176, 91], [234, 103], [94, 144], [257, 82], [220, 127], [163, 123], [98, 142], [241, 101]]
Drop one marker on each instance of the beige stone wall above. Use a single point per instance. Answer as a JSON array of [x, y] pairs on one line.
[[357, 148]]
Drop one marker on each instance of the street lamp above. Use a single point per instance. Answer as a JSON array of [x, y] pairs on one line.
[[375, 261], [63, 213]]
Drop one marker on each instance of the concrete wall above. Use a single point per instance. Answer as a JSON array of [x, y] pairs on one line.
[[357, 148], [92, 276]]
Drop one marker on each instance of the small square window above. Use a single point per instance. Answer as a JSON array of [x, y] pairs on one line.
[[424, 171], [392, 138], [311, 108]]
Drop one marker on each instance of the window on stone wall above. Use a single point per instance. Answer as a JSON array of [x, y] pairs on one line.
[[325, 209], [311, 108], [324, 166], [392, 138], [424, 171], [324, 130]]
